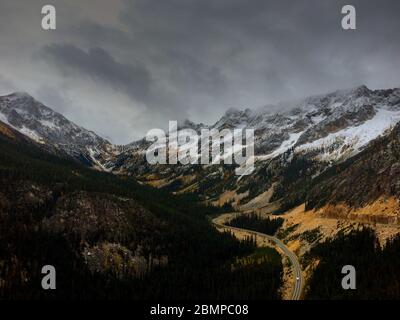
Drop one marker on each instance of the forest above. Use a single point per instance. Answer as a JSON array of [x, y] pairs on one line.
[[257, 223], [202, 262], [377, 267]]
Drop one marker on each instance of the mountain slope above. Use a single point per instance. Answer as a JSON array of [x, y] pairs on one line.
[[372, 174], [109, 237], [45, 126], [291, 147], [330, 121]]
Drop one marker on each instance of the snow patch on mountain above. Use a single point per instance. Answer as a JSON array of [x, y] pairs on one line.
[[331, 127], [94, 155], [32, 134], [353, 139], [286, 145]]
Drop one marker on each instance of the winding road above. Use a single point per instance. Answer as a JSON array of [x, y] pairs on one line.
[[299, 279]]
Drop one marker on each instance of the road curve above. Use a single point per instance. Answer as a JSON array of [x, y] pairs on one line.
[[299, 280]]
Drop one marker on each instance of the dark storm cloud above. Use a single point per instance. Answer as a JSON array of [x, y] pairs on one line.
[[52, 96], [97, 34], [297, 44], [218, 54], [192, 74], [172, 59], [6, 86], [188, 73], [134, 80]]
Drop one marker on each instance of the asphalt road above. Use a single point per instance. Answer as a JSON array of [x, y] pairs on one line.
[[299, 280]]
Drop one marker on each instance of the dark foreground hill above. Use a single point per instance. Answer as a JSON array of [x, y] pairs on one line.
[[110, 237]]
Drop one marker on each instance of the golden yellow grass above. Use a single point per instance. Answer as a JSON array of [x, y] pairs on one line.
[[6, 131], [381, 215]]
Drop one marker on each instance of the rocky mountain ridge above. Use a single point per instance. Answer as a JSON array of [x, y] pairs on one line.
[[291, 147]]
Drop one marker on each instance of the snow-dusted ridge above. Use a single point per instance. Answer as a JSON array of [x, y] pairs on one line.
[[45, 126], [333, 126], [338, 124]]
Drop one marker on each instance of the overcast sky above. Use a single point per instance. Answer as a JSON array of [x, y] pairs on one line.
[[122, 67]]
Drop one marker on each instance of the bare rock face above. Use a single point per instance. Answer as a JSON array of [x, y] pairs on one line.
[[117, 259], [109, 234], [87, 214], [91, 217], [45, 126], [345, 119], [318, 132], [363, 179], [292, 146]]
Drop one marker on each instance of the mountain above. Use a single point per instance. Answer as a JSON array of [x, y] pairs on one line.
[[111, 238], [326, 167], [292, 147], [342, 123], [367, 178], [317, 132], [47, 127]]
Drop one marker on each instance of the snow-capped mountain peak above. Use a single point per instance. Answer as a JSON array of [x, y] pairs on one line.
[[42, 124], [331, 127], [345, 119]]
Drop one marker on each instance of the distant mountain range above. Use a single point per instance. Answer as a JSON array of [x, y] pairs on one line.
[[293, 148], [326, 173]]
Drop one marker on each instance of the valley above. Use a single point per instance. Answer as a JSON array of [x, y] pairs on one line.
[[263, 240], [303, 230], [326, 173], [112, 238]]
